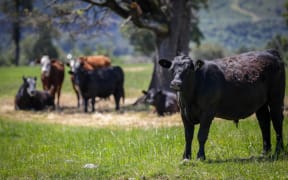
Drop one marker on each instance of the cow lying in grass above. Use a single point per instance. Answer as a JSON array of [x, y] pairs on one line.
[[28, 98], [231, 88], [165, 102]]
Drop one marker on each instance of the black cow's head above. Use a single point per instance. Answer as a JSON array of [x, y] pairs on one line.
[[153, 96], [182, 66], [30, 85]]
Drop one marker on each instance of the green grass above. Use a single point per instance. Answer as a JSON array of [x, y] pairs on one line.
[[11, 79], [40, 151], [31, 150]]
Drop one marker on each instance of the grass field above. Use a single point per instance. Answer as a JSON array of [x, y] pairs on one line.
[[131, 144]]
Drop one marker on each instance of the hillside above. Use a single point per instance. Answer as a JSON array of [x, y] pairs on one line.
[[242, 23]]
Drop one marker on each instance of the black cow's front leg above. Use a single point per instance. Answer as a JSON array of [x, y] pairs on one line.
[[189, 132], [205, 123]]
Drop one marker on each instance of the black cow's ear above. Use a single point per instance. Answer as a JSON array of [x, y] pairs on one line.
[[68, 64], [144, 92], [198, 64], [165, 63], [24, 78], [35, 78]]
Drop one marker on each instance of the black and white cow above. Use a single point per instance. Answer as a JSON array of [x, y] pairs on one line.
[[165, 102], [28, 98]]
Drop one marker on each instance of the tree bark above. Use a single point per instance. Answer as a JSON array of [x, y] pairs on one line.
[[16, 32], [16, 38], [176, 40]]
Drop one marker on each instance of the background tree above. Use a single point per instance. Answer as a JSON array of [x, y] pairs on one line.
[[281, 44], [174, 24], [208, 51], [16, 11], [44, 45], [143, 40]]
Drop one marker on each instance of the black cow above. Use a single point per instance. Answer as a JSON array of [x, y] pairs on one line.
[[165, 102], [28, 98], [101, 82], [231, 88]]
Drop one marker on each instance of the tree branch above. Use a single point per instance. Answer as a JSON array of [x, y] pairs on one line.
[[154, 25], [152, 17], [112, 4]]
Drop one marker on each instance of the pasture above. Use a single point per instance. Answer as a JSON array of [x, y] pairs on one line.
[[131, 144]]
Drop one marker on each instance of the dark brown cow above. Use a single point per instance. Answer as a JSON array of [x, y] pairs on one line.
[[52, 76], [232, 88]]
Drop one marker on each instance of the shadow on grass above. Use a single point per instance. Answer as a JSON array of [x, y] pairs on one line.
[[123, 109], [251, 159]]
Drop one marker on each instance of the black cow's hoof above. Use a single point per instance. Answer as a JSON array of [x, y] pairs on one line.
[[185, 161], [201, 157], [266, 152]]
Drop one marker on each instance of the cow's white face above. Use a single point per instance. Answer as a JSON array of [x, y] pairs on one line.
[[31, 85], [45, 65], [74, 64]]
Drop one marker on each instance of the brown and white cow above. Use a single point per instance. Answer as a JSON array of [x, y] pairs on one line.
[[52, 76]]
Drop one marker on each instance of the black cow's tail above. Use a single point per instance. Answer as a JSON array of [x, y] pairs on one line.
[[123, 95]]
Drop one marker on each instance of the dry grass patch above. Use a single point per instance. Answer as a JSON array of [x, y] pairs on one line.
[[105, 115]]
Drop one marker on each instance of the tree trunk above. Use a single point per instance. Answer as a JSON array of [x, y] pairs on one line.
[[168, 46], [16, 32], [16, 38]]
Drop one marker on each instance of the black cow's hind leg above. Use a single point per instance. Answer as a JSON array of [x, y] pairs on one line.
[[93, 104], [85, 104], [277, 120], [117, 97], [263, 117]]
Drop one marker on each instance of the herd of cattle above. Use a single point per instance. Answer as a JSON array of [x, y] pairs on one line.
[[91, 77], [232, 88]]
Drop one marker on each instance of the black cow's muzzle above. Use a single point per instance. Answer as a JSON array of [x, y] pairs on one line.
[[176, 85]]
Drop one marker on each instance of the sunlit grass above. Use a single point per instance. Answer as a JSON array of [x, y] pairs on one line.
[[38, 149], [32, 150]]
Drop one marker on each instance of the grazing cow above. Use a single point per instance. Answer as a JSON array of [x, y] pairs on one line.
[[52, 76], [101, 83], [93, 62], [232, 88], [165, 102], [28, 98], [89, 63]]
